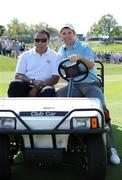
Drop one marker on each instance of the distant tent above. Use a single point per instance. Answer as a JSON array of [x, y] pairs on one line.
[[80, 37]]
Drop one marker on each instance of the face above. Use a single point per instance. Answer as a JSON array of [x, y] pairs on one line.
[[41, 42], [68, 36]]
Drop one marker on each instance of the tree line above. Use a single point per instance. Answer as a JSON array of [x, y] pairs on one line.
[[106, 27], [16, 28]]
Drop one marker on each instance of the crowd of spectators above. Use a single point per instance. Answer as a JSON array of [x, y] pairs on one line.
[[12, 48], [109, 57]]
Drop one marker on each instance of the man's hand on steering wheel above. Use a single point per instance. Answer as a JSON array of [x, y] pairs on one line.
[[74, 57]]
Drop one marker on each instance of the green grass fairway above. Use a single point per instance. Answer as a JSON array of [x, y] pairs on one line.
[[5, 78], [7, 68], [98, 47], [113, 94], [7, 64]]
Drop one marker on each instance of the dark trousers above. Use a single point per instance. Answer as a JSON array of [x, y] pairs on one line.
[[22, 88]]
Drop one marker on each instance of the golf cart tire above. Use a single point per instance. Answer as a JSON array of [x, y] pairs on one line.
[[96, 158], [4, 157]]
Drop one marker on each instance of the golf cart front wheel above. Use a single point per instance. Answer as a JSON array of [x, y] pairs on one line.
[[95, 158], [4, 157]]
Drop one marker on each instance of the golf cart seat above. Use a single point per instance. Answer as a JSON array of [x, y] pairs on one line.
[[100, 73]]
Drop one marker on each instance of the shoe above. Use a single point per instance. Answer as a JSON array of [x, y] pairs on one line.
[[114, 158]]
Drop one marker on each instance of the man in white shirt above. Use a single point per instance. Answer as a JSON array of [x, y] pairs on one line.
[[37, 69]]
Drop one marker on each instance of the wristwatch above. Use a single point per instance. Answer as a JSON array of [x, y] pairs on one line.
[[31, 81]]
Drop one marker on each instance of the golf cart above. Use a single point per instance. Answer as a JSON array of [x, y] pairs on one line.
[[55, 129]]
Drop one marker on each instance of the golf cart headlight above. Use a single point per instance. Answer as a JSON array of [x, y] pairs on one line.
[[7, 122], [83, 122]]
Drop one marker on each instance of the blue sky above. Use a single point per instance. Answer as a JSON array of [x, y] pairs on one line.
[[82, 14]]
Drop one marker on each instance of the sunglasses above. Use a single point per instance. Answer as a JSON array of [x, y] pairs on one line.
[[41, 40]]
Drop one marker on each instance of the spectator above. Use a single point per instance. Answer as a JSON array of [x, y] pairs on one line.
[[22, 47], [13, 50], [0, 47], [3, 45], [8, 47]]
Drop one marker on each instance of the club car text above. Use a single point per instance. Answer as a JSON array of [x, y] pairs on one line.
[[47, 113], [43, 113]]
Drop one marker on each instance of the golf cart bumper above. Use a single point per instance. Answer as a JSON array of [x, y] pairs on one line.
[[48, 122], [61, 131], [70, 123]]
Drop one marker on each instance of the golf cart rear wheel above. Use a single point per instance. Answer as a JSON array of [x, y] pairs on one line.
[[96, 159], [4, 157]]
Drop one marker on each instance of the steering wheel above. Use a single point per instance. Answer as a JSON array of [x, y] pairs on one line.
[[77, 71]]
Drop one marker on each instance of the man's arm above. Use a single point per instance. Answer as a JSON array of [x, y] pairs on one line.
[[74, 57], [38, 83], [89, 64], [49, 82], [23, 77]]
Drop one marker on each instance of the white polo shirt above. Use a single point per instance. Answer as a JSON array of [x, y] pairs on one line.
[[36, 66]]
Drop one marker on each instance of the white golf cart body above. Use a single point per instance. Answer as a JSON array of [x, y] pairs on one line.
[[52, 129], [43, 115]]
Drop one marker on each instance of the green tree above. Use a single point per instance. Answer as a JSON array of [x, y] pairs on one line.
[[31, 29], [39, 26], [23, 29], [2, 30], [53, 31], [15, 28], [94, 31], [117, 33], [107, 27]]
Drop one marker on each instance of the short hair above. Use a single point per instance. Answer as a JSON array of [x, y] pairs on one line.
[[41, 31]]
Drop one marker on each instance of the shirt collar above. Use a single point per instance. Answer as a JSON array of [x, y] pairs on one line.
[[76, 42]]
